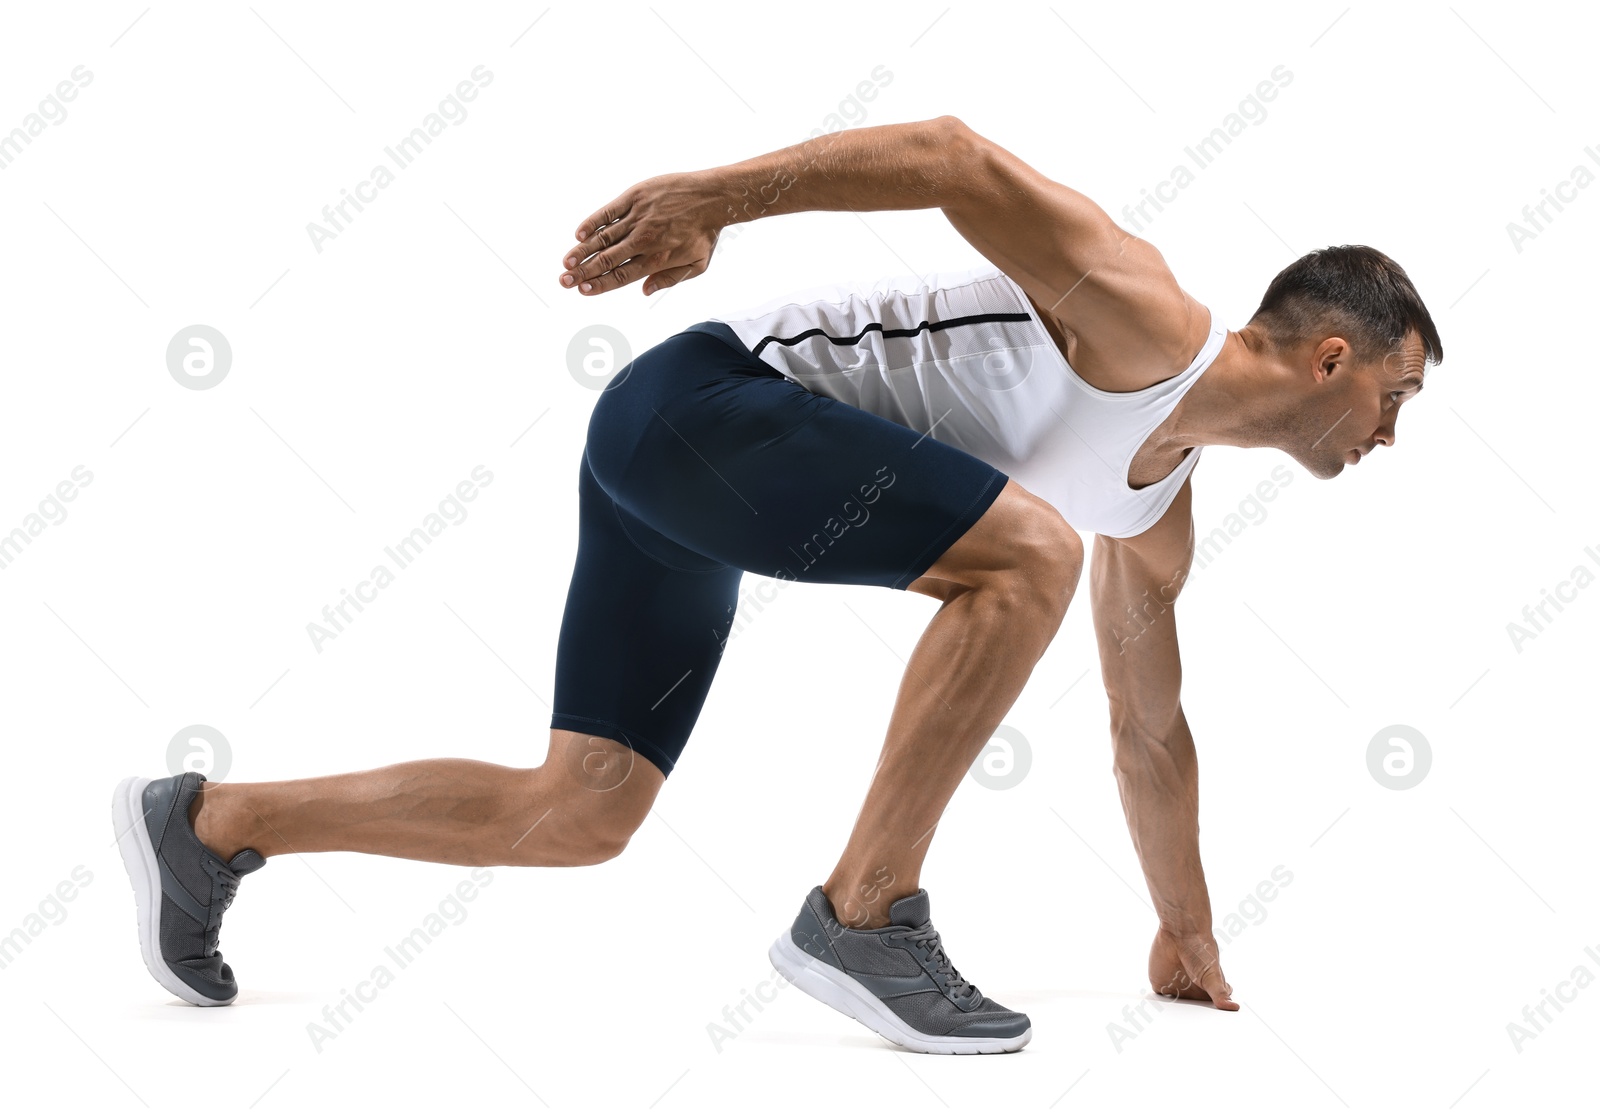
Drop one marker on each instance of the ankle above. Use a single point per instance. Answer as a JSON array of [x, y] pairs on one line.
[[212, 815], [861, 899]]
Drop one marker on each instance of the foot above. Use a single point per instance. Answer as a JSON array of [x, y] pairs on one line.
[[180, 887], [896, 979]]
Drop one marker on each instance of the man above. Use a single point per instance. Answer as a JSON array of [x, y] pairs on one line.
[[949, 436]]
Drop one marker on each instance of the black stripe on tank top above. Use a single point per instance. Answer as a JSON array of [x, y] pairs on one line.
[[949, 323]]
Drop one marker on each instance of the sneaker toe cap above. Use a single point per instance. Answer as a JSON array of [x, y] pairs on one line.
[[211, 977], [997, 1025]]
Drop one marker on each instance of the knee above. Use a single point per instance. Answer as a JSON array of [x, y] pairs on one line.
[[597, 844], [1047, 563], [574, 820], [589, 828]]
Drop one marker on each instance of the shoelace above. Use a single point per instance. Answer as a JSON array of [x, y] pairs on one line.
[[928, 938], [230, 888]]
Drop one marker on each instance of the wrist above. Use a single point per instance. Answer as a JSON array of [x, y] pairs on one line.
[[1185, 927], [743, 192]]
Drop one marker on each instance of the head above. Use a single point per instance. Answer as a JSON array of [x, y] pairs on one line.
[[1356, 339]]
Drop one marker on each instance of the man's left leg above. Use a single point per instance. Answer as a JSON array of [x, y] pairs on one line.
[[754, 471], [864, 943], [1004, 586]]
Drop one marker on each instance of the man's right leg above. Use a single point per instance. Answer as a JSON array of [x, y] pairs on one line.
[[185, 848], [639, 645], [579, 807]]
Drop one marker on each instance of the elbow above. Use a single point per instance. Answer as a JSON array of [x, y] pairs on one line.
[[961, 152], [954, 137]]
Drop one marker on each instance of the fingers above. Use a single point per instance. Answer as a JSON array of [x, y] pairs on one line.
[[615, 211], [1202, 965], [600, 253], [603, 271], [600, 233], [626, 262], [630, 269], [669, 278], [617, 265], [1220, 991], [1190, 970]]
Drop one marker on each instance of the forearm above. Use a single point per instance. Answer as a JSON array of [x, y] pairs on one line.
[[917, 165], [1158, 778]]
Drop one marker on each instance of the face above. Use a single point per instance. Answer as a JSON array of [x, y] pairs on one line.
[[1353, 404]]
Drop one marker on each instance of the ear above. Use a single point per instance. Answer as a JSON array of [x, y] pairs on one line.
[[1332, 355]]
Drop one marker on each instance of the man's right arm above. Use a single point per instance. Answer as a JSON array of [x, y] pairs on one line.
[[1110, 288], [665, 228], [1113, 292]]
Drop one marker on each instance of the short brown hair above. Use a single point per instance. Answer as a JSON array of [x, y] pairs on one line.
[[1352, 290]]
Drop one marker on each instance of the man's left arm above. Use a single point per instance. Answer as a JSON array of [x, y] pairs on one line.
[[1134, 583]]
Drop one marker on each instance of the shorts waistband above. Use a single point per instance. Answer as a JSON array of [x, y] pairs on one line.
[[722, 332]]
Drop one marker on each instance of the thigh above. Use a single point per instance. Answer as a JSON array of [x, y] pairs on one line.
[[641, 638], [1018, 528], [729, 460]]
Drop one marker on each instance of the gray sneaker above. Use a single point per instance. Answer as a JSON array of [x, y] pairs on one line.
[[896, 979], [180, 887]]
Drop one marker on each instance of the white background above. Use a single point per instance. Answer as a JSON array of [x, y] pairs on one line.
[[370, 378]]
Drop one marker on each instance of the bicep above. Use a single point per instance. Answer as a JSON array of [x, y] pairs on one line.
[[1134, 587]]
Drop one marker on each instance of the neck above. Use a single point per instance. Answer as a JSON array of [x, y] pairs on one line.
[[1238, 400]]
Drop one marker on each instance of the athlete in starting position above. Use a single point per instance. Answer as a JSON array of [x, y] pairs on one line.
[[949, 436]]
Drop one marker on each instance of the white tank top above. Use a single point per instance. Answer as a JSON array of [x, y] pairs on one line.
[[962, 355]]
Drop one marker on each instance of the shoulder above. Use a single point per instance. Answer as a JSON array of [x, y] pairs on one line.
[[1151, 330]]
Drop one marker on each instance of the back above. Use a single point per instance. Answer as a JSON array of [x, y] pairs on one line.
[[962, 356]]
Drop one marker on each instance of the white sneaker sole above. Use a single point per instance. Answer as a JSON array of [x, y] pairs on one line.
[[139, 857], [843, 993]]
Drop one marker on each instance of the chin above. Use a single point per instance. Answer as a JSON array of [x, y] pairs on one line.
[[1324, 470]]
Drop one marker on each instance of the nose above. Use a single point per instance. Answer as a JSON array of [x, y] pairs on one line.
[[1384, 434]]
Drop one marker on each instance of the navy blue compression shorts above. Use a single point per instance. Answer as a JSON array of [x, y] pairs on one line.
[[703, 462]]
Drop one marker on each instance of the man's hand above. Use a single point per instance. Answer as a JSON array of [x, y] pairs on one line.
[[1190, 969], [662, 230]]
